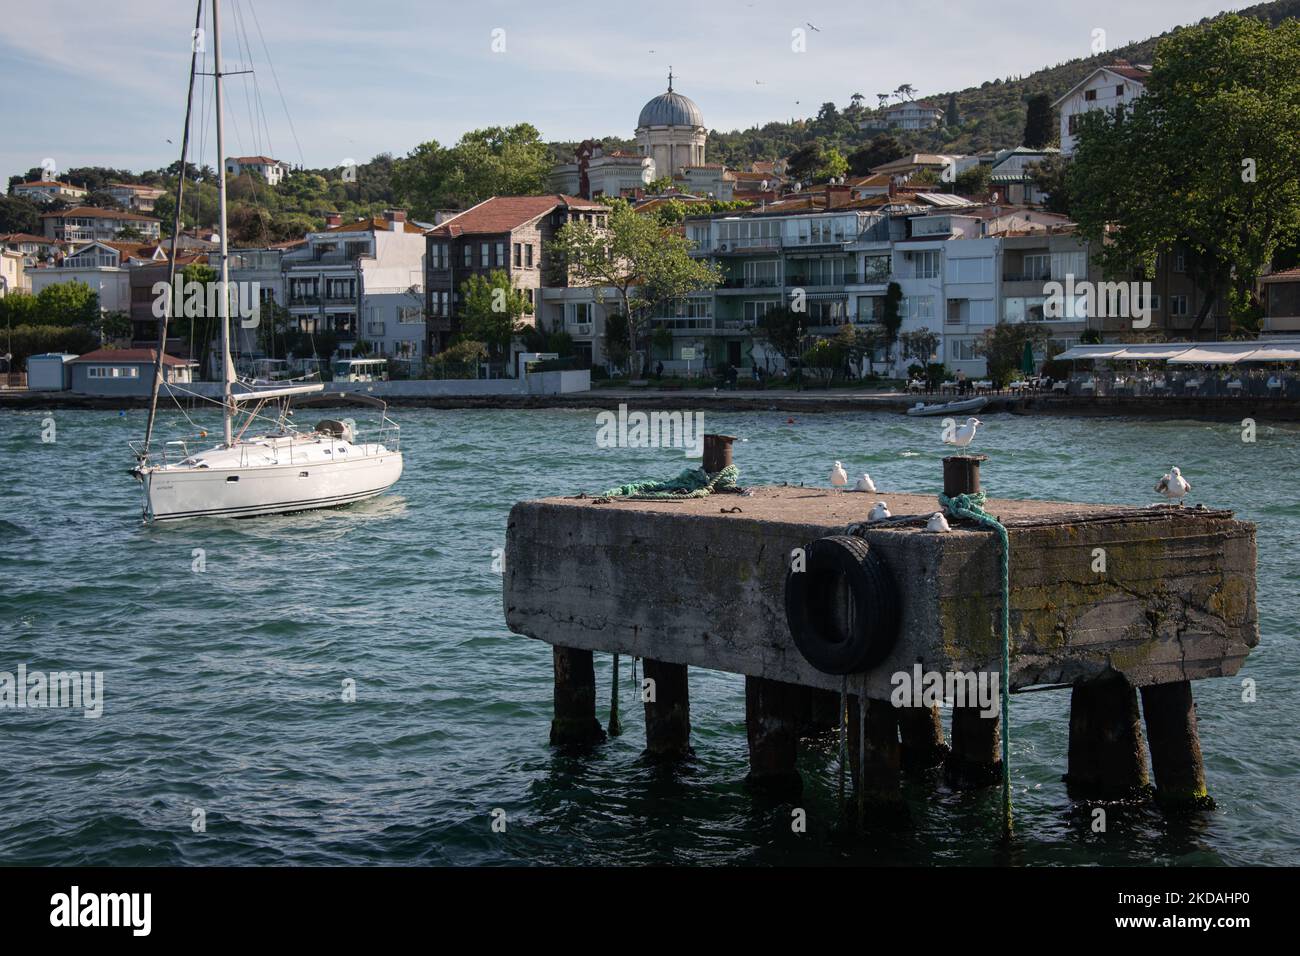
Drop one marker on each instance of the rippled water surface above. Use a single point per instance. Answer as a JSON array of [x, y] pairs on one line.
[[223, 688]]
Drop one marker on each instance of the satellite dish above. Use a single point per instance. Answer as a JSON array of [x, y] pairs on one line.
[[765, 185]]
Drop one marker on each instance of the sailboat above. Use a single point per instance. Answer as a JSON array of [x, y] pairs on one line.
[[265, 465]]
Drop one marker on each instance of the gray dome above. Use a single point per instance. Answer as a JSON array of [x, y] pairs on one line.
[[670, 109]]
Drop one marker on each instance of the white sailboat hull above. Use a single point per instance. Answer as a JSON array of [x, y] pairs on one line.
[[177, 492]]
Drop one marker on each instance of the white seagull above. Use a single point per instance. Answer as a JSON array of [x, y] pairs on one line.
[[964, 435], [1174, 486], [880, 512], [839, 477], [865, 483], [937, 523]]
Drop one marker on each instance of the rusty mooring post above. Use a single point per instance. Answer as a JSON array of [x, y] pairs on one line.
[[717, 452], [1107, 759], [772, 718], [575, 721], [975, 759], [667, 709], [1176, 763], [961, 474]]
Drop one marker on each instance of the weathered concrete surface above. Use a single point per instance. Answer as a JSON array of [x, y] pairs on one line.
[[683, 582]]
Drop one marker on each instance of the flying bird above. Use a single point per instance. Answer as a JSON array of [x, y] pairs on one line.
[[839, 477], [880, 512], [811, 27], [1174, 486], [937, 523], [865, 483], [964, 435]]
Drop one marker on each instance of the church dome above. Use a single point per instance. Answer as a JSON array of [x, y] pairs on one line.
[[670, 109]]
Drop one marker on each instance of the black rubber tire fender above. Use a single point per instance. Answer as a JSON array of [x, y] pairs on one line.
[[874, 599]]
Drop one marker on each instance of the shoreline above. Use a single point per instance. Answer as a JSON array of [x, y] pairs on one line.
[[1182, 407]]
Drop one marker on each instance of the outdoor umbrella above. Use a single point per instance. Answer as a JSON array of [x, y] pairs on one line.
[[1027, 360]]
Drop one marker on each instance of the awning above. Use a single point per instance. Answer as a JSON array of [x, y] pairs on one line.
[[1156, 352], [1090, 352], [1274, 353], [1219, 354]]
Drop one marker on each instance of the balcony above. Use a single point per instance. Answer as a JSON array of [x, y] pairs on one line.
[[578, 328], [332, 299], [1040, 275], [741, 283], [304, 301], [685, 323]]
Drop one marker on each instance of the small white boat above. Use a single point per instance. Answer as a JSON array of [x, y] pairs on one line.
[[949, 408]]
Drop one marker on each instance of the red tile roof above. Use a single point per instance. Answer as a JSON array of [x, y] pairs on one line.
[[50, 182], [253, 160], [504, 213], [92, 212], [366, 225], [129, 356]]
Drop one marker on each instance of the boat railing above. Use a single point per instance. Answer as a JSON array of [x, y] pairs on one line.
[[170, 453]]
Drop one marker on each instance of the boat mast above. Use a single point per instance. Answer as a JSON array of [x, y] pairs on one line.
[[223, 300]]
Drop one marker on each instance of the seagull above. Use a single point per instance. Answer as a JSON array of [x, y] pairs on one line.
[[865, 483], [880, 512], [1174, 486], [965, 434], [839, 477], [937, 523], [811, 27]]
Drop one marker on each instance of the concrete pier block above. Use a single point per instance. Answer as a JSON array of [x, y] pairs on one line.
[[976, 756], [772, 718], [668, 715], [575, 721], [1175, 744], [1107, 759], [921, 732]]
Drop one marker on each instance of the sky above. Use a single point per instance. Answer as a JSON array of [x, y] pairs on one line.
[[90, 83]]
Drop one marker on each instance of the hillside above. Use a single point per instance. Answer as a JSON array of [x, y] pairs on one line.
[[992, 115]]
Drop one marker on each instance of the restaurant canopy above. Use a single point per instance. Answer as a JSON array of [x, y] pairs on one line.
[[1188, 353]]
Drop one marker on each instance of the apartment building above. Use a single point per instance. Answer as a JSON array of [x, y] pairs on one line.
[[48, 190], [361, 281], [506, 233], [88, 224], [135, 197], [904, 116], [1281, 295]]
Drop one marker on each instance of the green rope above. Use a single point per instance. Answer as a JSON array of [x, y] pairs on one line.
[[691, 483], [972, 507]]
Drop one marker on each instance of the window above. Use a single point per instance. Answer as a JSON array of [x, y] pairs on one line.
[[954, 311], [762, 273], [484, 254], [756, 310], [1072, 124], [1090, 95], [927, 264], [528, 256], [924, 307], [1119, 90], [827, 312], [961, 350], [519, 254], [1178, 305], [469, 255], [1037, 266], [1180, 262], [1069, 264], [113, 371], [438, 255], [501, 253]]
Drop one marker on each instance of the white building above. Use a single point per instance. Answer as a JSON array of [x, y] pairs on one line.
[[270, 170], [135, 197], [43, 191], [104, 266], [904, 116], [89, 223], [13, 273], [361, 281], [1105, 88]]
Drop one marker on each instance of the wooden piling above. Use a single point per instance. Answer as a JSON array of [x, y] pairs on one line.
[[1107, 759], [976, 757], [874, 755], [1175, 745], [668, 715], [921, 733], [772, 718], [575, 721], [821, 711]]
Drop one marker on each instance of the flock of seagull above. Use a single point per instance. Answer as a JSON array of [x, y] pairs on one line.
[[1173, 486]]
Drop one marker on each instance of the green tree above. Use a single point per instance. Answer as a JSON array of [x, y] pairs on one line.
[[496, 161], [951, 116], [19, 215], [616, 342], [973, 181], [834, 166], [1051, 177], [1039, 127], [1003, 346], [781, 331], [492, 311], [891, 318], [644, 261], [68, 303], [1203, 162], [883, 149]]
